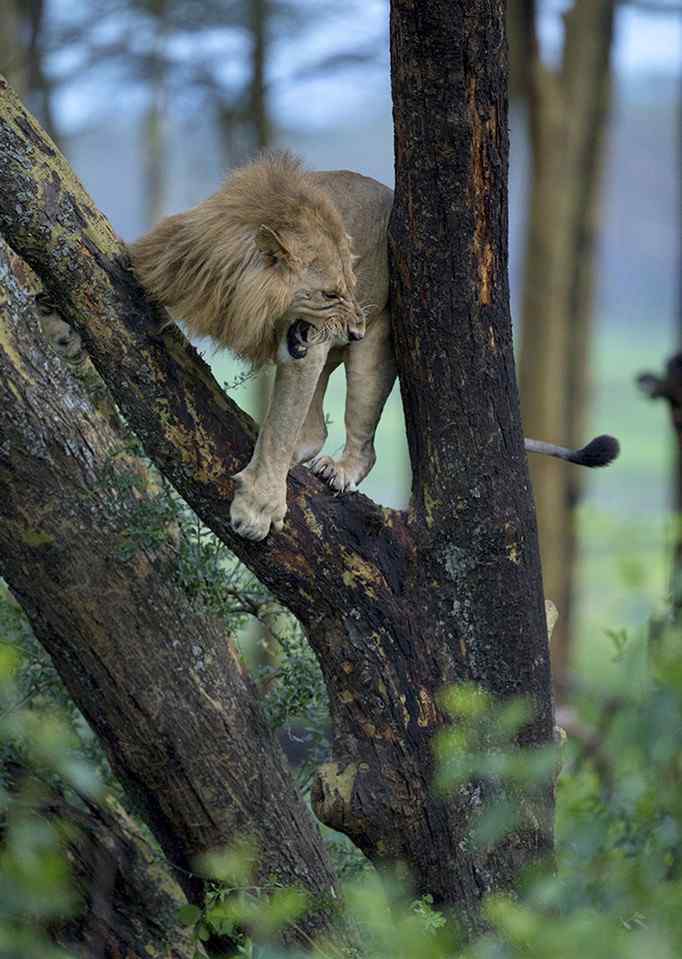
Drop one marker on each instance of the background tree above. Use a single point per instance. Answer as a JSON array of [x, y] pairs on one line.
[[23, 56], [396, 607], [567, 110]]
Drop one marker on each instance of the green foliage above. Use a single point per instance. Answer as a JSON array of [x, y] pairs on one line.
[[37, 746], [159, 522], [617, 886], [236, 907], [37, 696]]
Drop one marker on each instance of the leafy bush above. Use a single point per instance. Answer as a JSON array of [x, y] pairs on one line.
[[37, 746]]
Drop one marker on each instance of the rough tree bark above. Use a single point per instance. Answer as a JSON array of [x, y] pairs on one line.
[[131, 901], [156, 677], [567, 118], [397, 606]]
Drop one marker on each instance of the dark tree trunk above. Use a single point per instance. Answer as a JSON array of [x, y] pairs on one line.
[[156, 677], [397, 606], [474, 592]]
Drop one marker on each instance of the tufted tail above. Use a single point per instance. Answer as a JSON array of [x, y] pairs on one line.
[[601, 451]]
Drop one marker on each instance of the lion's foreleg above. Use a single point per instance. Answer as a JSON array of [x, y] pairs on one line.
[[370, 374], [260, 500]]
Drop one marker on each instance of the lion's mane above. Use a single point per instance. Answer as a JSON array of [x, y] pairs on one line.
[[205, 264]]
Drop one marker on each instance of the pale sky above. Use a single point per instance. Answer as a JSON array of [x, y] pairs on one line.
[[645, 43]]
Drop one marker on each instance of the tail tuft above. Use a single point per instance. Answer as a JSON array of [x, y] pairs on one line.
[[601, 451]]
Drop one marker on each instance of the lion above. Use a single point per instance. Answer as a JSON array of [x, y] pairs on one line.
[[289, 266]]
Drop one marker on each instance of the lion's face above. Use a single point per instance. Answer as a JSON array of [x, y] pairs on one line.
[[323, 297]]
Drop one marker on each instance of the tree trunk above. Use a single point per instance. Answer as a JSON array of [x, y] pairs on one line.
[[155, 146], [397, 606], [259, 116], [158, 679], [567, 121], [258, 100], [22, 56], [39, 83]]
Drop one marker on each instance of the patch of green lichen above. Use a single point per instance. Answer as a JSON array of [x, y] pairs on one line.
[[34, 537], [338, 785], [430, 506]]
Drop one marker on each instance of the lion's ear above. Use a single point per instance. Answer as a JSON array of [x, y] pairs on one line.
[[271, 243]]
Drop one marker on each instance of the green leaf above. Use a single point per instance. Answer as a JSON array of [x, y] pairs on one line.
[[188, 915]]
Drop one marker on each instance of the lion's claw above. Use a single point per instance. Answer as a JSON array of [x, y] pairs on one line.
[[341, 477]]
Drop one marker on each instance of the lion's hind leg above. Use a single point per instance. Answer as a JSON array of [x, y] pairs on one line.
[[370, 374], [314, 431]]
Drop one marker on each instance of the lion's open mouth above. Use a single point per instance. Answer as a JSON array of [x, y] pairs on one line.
[[301, 336], [297, 339]]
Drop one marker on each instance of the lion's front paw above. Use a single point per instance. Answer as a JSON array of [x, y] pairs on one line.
[[343, 475], [254, 510]]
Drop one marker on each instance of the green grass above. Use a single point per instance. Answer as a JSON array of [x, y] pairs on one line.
[[625, 522]]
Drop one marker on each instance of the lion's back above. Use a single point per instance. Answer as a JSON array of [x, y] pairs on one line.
[[365, 207]]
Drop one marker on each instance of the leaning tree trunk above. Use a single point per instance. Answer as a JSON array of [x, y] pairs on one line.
[[567, 113], [156, 677], [397, 606]]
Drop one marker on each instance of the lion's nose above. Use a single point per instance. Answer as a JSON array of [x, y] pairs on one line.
[[356, 335]]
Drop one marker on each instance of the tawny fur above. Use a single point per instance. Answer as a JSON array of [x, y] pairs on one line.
[[209, 269]]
